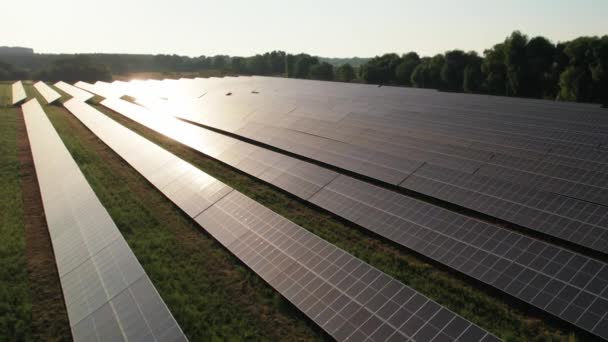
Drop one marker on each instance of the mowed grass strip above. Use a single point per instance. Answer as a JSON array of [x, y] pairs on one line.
[[15, 301], [510, 321], [212, 295]]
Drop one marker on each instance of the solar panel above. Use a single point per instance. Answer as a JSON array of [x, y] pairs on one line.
[[391, 158], [107, 293], [297, 177], [19, 94], [511, 262], [584, 221], [75, 92], [99, 88], [579, 222], [49, 94], [566, 284], [348, 298]]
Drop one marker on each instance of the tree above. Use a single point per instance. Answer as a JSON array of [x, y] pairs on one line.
[[220, 62], [435, 67], [380, 70], [302, 65], [473, 78], [345, 73], [256, 65], [599, 70], [420, 76], [494, 69], [323, 71], [515, 61], [403, 73], [275, 62], [79, 68], [574, 84], [452, 72], [428, 73], [238, 64], [539, 57], [9, 73]]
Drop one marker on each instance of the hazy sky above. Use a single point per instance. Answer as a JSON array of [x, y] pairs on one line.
[[327, 28]]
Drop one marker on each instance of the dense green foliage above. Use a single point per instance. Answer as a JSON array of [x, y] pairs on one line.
[[9, 72], [519, 66], [15, 301], [79, 68]]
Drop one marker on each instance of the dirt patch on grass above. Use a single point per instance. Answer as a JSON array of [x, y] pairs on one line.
[[49, 315]]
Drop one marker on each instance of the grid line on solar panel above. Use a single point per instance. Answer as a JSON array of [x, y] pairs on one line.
[[300, 265], [18, 93], [96, 266]]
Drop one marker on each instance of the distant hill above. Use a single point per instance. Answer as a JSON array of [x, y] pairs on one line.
[[353, 61], [15, 51]]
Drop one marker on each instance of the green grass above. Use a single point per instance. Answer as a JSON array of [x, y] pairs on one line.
[[15, 301], [211, 294], [482, 307]]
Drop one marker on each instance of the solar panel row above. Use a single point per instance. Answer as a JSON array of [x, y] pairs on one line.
[[49, 94], [73, 91], [566, 284], [580, 222], [558, 281], [18, 93], [391, 158], [349, 299], [107, 293]]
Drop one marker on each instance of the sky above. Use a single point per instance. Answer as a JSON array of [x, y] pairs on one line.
[[329, 28]]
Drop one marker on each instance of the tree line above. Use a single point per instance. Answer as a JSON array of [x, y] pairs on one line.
[[519, 66], [537, 68]]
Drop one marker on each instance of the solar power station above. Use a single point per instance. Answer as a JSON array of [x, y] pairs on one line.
[[108, 295], [349, 299], [511, 194]]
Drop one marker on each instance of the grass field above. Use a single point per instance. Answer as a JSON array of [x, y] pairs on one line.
[[212, 295], [15, 302]]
